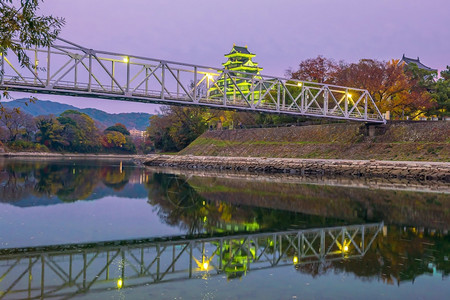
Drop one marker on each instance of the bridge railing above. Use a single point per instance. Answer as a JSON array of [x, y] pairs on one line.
[[69, 69]]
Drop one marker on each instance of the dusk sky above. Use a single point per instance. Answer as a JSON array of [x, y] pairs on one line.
[[280, 33]]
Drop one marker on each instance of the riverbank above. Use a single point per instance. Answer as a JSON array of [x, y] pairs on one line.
[[397, 141], [52, 155], [424, 171]]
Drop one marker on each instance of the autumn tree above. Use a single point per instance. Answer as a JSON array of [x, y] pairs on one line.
[[80, 131], [119, 128], [113, 139], [417, 99], [18, 124], [158, 132], [143, 145], [50, 133], [404, 91], [176, 127], [117, 138], [383, 80], [71, 131], [319, 69]]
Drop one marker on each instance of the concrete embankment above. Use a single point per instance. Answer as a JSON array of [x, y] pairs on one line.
[[431, 171]]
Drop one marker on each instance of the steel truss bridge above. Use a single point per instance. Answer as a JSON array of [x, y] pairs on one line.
[[66, 68], [64, 271]]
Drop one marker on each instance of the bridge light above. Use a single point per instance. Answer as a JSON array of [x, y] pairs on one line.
[[205, 266], [295, 259], [349, 95], [209, 76], [119, 283], [299, 84], [125, 59], [344, 247]]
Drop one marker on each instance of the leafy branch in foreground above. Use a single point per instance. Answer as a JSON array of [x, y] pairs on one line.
[[21, 27]]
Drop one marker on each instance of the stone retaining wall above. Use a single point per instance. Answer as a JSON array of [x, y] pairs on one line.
[[432, 171]]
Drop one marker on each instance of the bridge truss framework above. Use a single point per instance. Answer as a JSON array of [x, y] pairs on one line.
[[66, 68]]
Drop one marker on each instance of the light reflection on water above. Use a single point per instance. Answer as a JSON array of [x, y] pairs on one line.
[[172, 236]]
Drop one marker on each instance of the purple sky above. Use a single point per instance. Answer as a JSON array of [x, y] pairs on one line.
[[280, 33]]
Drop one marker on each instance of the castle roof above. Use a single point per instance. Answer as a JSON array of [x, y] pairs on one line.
[[240, 50], [420, 65]]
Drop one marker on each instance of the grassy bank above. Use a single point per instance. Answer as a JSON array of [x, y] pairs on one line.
[[414, 141]]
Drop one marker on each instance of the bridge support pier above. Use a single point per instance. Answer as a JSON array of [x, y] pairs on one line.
[[373, 130]]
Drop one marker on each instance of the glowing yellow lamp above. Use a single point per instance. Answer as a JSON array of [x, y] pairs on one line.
[[119, 283], [125, 59], [295, 260], [299, 84], [345, 248], [205, 265], [349, 95]]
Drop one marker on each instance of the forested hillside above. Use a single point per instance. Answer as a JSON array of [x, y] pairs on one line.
[[139, 121]]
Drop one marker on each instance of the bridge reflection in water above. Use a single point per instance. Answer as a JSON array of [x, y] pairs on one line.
[[67, 270]]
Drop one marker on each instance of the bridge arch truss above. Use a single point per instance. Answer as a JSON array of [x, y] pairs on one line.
[[66, 68]]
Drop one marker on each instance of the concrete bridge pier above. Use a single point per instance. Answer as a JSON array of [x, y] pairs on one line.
[[373, 129]]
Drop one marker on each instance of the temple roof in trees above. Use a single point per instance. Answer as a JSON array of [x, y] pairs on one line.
[[420, 65]]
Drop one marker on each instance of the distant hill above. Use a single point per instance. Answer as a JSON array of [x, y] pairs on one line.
[[139, 121]]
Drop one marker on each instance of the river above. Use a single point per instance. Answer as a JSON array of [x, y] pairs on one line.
[[100, 229]]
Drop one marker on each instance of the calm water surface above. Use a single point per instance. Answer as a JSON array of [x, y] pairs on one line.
[[104, 229]]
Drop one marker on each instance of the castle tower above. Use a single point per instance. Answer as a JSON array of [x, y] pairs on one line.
[[239, 64]]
